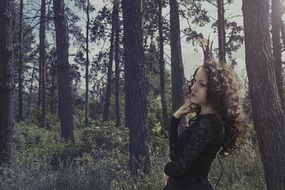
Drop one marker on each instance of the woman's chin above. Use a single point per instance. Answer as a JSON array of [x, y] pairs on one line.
[[192, 99]]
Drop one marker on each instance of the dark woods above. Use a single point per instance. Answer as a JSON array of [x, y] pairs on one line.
[[92, 85]]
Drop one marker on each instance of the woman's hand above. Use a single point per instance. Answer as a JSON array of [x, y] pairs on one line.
[[186, 108], [166, 178]]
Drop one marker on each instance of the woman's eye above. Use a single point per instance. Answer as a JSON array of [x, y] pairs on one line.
[[202, 84]]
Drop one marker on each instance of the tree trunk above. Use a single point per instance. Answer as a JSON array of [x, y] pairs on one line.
[[42, 65], [30, 91], [268, 116], [162, 68], [135, 89], [53, 88], [20, 65], [282, 28], [177, 69], [6, 81], [110, 71], [276, 15], [117, 64], [221, 31], [64, 75], [87, 66]]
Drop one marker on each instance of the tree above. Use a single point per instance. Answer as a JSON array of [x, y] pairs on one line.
[[268, 116], [110, 67], [177, 69], [135, 92], [64, 78], [117, 63], [162, 68], [20, 64], [87, 64], [229, 32], [276, 28], [87, 8], [42, 66], [6, 81], [52, 81], [221, 31]]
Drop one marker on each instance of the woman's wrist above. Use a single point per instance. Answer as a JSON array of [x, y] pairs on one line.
[[177, 115]]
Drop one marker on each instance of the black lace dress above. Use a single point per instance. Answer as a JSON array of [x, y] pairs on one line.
[[193, 152]]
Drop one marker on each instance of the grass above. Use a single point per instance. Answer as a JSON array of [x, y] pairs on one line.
[[42, 161]]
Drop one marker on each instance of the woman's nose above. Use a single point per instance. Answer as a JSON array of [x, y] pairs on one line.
[[193, 87]]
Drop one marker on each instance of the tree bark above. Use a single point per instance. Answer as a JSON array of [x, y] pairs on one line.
[[6, 81], [282, 28], [20, 65], [64, 75], [268, 116], [42, 65], [276, 15], [221, 31], [135, 86], [177, 69], [162, 69], [87, 66], [53, 87], [110, 71], [31, 90], [117, 63]]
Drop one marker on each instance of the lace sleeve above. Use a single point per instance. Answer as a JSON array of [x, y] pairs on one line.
[[198, 140], [173, 135]]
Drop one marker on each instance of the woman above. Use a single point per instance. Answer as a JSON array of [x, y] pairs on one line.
[[218, 126]]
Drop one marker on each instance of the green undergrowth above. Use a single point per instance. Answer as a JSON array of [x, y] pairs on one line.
[[98, 160]]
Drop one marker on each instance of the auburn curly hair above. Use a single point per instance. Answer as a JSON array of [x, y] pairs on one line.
[[223, 95]]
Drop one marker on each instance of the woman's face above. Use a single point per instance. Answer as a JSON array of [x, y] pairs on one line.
[[199, 88]]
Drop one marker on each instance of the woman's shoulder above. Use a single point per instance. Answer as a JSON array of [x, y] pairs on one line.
[[213, 124], [210, 121]]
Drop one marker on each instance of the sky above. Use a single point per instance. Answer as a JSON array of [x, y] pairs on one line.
[[192, 58]]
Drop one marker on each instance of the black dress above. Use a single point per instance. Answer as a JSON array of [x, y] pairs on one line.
[[193, 152]]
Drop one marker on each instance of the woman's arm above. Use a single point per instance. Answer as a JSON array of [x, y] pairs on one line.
[[173, 129], [173, 135], [199, 139]]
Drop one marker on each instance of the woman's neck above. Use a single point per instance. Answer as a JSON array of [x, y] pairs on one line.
[[206, 109]]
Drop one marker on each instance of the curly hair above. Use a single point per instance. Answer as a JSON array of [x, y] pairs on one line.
[[222, 94]]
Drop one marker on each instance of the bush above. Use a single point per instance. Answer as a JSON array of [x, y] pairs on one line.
[[99, 160]]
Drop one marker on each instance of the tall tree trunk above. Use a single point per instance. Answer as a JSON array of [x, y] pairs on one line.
[[6, 81], [135, 89], [162, 68], [268, 116], [64, 74], [53, 88], [87, 66], [177, 69], [282, 28], [20, 65], [117, 63], [42, 65], [31, 90], [110, 71], [276, 15], [221, 31]]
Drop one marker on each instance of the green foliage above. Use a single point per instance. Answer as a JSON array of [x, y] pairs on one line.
[[99, 157]]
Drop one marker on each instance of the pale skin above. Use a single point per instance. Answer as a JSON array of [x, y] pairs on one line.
[[198, 96]]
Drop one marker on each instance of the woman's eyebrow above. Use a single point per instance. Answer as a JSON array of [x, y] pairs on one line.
[[201, 80]]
